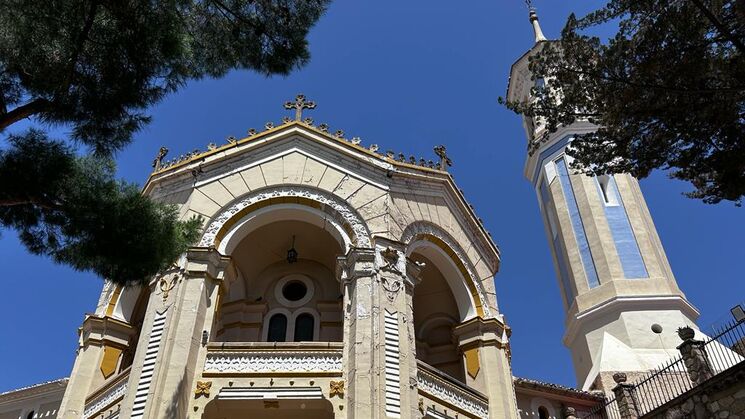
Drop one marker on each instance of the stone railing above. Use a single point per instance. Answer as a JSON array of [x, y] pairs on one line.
[[448, 390], [107, 396], [260, 358]]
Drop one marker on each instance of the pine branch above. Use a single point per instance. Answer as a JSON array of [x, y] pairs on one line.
[[24, 111]]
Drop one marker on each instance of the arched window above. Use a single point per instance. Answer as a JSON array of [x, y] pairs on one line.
[[30, 415], [542, 412], [304, 325], [277, 328]]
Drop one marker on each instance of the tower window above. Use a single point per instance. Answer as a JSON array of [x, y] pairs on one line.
[[304, 325], [542, 412], [277, 328], [607, 189]]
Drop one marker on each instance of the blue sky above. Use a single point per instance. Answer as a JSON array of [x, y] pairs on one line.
[[407, 76]]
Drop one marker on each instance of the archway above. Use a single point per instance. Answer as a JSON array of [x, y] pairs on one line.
[[437, 311], [277, 296]]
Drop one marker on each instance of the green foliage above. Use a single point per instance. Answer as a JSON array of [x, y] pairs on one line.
[[95, 67], [667, 92], [98, 65], [74, 210]]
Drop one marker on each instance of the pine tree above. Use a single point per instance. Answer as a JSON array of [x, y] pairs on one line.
[[95, 67]]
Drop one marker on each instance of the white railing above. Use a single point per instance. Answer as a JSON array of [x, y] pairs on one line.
[[108, 395], [307, 358], [441, 387]]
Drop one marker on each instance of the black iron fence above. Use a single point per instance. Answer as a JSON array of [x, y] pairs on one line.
[[675, 377], [607, 410], [661, 385]]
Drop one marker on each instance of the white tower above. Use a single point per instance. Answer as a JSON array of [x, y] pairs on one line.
[[622, 302]]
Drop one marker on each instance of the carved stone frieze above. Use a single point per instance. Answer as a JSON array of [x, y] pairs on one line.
[[423, 228], [347, 214], [114, 393], [451, 394], [248, 362]]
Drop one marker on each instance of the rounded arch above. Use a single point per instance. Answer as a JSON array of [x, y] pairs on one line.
[[307, 311], [268, 318], [234, 221], [453, 262]]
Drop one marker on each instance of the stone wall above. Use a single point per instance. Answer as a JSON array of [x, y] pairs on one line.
[[721, 397]]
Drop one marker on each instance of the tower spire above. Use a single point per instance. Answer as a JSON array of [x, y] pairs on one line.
[[534, 21]]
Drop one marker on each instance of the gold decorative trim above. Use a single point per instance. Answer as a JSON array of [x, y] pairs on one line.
[[110, 360], [459, 264], [113, 300], [203, 389], [336, 388], [472, 362]]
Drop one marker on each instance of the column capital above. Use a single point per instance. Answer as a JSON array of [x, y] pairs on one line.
[[478, 332], [358, 262], [103, 330], [206, 261]]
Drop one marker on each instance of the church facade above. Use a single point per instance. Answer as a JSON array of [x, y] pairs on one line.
[[333, 280]]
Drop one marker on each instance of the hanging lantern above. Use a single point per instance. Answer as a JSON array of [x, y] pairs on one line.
[[292, 253]]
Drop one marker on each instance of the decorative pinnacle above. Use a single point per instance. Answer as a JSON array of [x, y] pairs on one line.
[[298, 105], [539, 37]]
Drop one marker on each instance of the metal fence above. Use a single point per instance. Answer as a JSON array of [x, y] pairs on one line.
[[607, 410], [722, 351], [661, 385]]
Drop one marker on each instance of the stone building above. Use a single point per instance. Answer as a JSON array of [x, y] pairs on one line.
[[333, 280]]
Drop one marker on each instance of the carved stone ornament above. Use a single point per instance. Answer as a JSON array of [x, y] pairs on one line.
[[392, 285], [114, 393], [336, 388], [249, 362], [203, 389], [423, 228], [168, 281], [447, 392], [390, 260], [362, 236]]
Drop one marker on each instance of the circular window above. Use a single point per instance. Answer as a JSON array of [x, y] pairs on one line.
[[294, 290]]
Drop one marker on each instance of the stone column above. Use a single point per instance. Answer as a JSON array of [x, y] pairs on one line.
[[624, 397], [380, 353], [356, 271], [694, 356], [102, 340], [485, 347], [166, 362]]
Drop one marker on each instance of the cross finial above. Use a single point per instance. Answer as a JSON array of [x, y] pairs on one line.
[[298, 105], [158, 162], [444, 159]]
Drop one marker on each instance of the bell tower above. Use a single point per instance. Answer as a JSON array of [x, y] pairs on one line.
[[622, 302]]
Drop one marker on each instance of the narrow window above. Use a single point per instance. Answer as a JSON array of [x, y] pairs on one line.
[[542, 412], [277, 328], [304, 325], [607, 190]]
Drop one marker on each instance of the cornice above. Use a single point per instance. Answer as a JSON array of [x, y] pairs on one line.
[[45, 388], [627, 304]]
